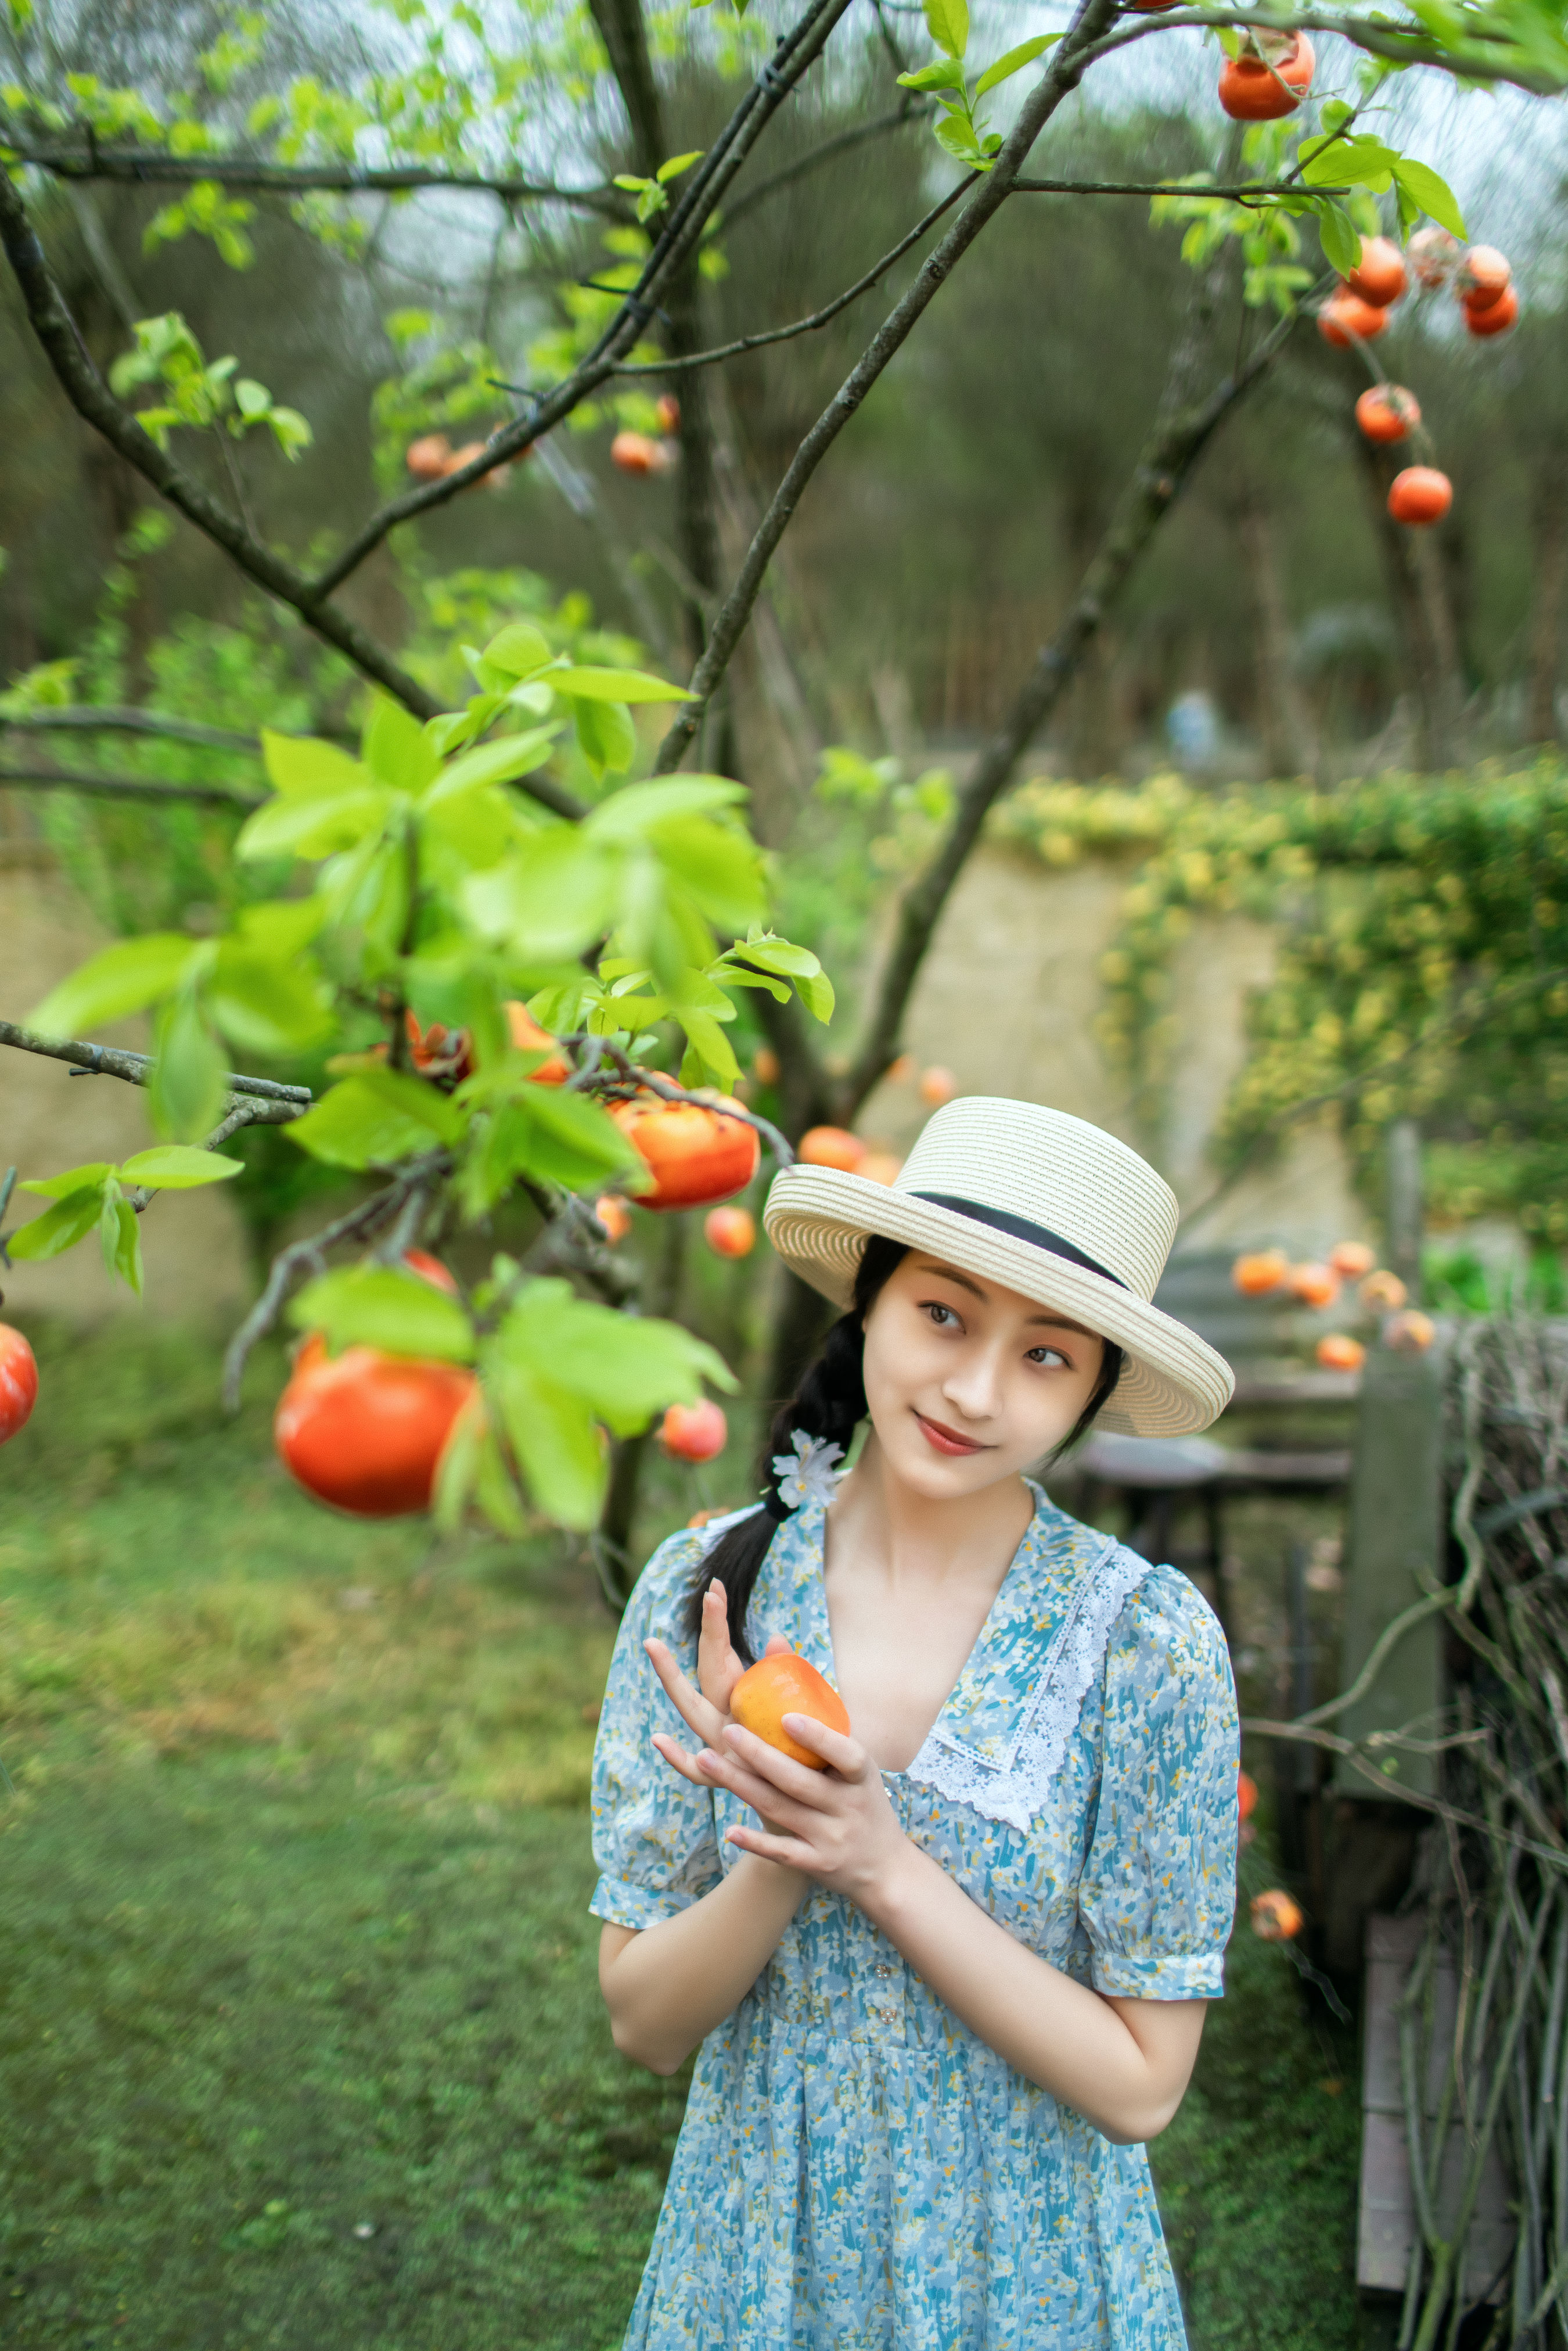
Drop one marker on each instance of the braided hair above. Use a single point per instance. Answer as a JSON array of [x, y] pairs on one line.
[[830, 1403]]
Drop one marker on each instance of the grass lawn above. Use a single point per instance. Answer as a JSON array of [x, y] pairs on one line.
[[300, 2040]]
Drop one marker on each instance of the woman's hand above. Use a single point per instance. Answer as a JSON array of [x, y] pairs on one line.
[[836, 1826]]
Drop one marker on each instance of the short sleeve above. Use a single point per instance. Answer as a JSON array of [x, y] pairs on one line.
[[1158, 1894], [655, 1839]]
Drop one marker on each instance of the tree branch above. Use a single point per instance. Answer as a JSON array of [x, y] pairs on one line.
[[112, 718], [136, 1069], [1469, 61], [985, 199], [912, 110], [151, 167], [802, 326], [794, 53], [125, 787], [1180, 434]]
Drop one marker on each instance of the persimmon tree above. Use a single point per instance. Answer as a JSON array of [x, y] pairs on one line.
[[516, 848]]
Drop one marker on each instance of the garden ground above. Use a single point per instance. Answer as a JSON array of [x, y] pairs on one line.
[[300, 2038]]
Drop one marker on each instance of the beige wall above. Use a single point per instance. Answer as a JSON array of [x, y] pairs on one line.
[[193, 1241], [1007, 999]]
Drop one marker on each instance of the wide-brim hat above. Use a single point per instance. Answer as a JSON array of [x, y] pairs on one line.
[[1042, 1203]]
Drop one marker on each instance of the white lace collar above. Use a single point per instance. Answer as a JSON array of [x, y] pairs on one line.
[[1002, 1732]]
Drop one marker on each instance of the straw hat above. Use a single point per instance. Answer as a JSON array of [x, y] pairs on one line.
[[1042, 1204]]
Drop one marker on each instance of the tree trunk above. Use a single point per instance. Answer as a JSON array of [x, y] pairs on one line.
[[1546, 601], [1283, 720], [1426, 620]]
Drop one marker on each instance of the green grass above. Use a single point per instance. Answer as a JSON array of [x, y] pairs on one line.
[[300, 2037]]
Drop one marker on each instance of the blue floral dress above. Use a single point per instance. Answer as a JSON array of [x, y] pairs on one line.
[[856, 2171]]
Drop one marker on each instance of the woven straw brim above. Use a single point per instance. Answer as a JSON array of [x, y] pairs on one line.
[[1172, 1383]]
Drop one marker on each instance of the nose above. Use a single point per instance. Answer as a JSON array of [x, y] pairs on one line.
[[973, 1383]]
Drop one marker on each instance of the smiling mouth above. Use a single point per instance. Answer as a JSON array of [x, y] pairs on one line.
[[947, 1440]]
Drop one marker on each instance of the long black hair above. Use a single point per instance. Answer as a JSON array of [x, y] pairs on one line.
[[830, 1403]]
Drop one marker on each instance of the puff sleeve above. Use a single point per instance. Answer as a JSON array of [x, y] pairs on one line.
[[655, 1838], [1157, 1893]]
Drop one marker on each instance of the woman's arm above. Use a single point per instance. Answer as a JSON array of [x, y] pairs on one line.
[[668, 1986], [1124, 2065]]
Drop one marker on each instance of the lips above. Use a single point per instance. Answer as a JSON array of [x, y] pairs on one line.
[[942, 1439]]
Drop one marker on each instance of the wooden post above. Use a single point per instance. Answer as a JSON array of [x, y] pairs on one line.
[[1403, 1212]]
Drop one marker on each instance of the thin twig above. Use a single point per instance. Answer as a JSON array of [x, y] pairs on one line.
[[125, 787], [136, 1069]]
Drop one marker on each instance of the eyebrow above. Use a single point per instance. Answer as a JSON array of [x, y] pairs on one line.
[[1051, 1322]]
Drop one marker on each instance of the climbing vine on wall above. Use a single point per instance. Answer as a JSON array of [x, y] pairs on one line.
[[1423, 967]]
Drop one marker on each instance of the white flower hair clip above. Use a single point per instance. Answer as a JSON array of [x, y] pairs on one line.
[[809, 1475]]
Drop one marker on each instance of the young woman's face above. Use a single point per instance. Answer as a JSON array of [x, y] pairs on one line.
[[968, 1383]]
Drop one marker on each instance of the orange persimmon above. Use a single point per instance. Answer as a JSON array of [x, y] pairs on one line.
[[786, 1683]]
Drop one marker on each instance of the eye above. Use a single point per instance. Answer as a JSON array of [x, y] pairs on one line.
[[1052, 1355], [941, 1316]]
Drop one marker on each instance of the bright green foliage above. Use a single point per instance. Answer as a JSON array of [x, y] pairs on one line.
[[653, 195], [443, 893], [959, 129], [203, 395], [1424, 968]]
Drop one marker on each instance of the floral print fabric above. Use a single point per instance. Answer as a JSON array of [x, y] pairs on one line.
[[856, 2171]]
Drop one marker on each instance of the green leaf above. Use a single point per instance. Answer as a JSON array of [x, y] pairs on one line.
[[120, 1233], [957, 134], [1013, 62], [308, 826], [380, 1306], [374, 1119], [815, 992], [638, 808], [709, 1045], [581, 684], [559, 1450], [70, 1180], [58, 1229], [606, 736], [1338, 236], [551, 901], [1432, 194], [553, 1137], [947, 21], [519, 649], [176, 1167], [945, 74], [122, 979], [626, 1367], [493, 763], [266, 1003], [396, 749], [185, 1091], [679, 163], [722, 869], [304, 765]]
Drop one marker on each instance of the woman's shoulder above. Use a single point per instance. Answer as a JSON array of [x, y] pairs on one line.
[[1151, 1612]]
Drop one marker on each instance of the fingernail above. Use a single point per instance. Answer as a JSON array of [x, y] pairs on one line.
[[714, 1762]]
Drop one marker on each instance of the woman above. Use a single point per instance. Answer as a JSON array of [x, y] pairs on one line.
[[946, 1987]]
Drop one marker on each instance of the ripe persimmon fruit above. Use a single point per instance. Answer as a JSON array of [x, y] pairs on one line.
[[1419, 496], [1483, 277], [831, 1146], [1246, 1795], [786, 1683], [1491, 318], [364, 1431], [1257, 1272], [730, 1232], [1351, 1259], [430, 1269], [1433, 256], [697, 1156], [1337, 1352], [1378, 277], [879, 1167], [1409, 1333], [1382, 1290], [614, 1215], [18, 1382], [937, 1086], [765, 1066], [694, 1432], [1387, 412], [1275, 1916], [529, 1037], [1314, 1285], [669, 412], [1345, 317], [1254, 88], [429, 457], [635, 453]]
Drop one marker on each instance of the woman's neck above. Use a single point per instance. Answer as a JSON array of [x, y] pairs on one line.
[[908, 1539]]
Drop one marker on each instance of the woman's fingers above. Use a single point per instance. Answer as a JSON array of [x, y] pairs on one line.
[[718, 1667], [769, 1802], [689, 1766], [813, 1789], [846, 1756], [787, 1850], [693, 1709]]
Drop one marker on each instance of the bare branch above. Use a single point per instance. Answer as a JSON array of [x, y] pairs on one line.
[[136, 1069], [1241, 191], [985, 199], [151, 167], [125, 787], [674, 366], [116, 718], [912, 110], [1472, 62]]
